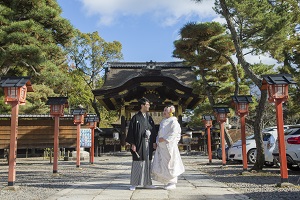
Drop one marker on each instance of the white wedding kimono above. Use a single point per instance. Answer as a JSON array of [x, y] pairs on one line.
[[167, 164]]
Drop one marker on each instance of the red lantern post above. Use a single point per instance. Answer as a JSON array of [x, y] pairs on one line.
[[277, 86], [57, 105], [15, 90], [207, 119], [78, 114], [92, 123], [221, 113], [241, 109]]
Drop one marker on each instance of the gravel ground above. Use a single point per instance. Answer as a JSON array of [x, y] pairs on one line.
[[35, 180], [256, 185]]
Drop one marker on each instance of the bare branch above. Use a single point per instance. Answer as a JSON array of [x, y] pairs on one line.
[[27, 65]]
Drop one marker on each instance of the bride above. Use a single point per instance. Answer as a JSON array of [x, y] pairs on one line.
[[167, 164]]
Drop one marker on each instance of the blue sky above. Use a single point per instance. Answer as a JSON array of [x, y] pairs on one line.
[[145, 28]]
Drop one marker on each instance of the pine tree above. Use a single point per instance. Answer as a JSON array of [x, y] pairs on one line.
[[264, 29], [32, 33], [207, 46]]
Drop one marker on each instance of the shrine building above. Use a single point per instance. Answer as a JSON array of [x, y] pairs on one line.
[[163, 83]]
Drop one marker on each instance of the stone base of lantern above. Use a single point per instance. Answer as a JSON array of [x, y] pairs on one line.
[[84, 155]]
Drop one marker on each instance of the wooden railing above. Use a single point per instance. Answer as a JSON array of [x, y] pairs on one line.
[[38, 133]]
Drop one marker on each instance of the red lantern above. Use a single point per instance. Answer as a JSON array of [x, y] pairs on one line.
[[57, 105], [242, 103], [277, 86], [15, 89], [78, 114]]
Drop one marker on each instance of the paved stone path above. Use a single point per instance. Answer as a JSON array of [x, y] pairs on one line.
[[114, 184]]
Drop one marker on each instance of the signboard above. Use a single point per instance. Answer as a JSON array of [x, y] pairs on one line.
[[85, 137]]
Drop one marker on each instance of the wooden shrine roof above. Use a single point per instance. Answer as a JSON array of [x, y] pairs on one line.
[[126, 82]]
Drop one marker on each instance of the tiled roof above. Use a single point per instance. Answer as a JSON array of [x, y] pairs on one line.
[[279, 79], [16, 82], [57, 100], [121, 72], [160, 82]]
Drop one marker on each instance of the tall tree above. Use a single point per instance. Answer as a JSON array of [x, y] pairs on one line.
[[89, 54], [31, 35], [265, 28], [207, 46]]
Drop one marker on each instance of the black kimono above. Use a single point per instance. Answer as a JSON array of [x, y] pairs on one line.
[[137, 133], [140, 172]]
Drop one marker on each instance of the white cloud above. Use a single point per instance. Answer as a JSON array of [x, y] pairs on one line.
[[255, 59], [165, 12], [219, 19], [265, 59]]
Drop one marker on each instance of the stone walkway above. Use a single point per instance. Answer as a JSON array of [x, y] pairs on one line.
[[114, 184]]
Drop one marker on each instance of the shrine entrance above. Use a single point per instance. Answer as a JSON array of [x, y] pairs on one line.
[[162, 83]]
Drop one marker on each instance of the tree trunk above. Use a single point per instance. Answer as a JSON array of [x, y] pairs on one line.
[[246, 66], [228, 138], [94, 105], [260, 155]]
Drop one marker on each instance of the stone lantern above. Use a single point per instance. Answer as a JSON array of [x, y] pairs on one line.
[[241, 109], [78, 114], [277, 86], [207, 119], [221, 113], [92, 124], [15, 90], [57, 106]]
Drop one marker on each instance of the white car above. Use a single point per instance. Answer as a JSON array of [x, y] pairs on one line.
[[235, 151], [292, 145], [269, 139]]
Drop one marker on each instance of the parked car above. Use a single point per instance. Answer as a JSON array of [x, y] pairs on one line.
[[269, 139], [292, 145], [235, 151]]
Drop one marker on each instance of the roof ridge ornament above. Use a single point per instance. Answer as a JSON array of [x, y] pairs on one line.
[[151, 65], [151, 69]]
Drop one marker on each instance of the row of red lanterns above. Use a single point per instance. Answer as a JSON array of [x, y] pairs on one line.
[[277, 86], [15, 90]]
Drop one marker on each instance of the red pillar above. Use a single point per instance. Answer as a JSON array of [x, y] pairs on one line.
[[13, 143], [92, 146], [78, 146], [281, 142], [56, 145], [209, 145], [223, 143], [243, 137]]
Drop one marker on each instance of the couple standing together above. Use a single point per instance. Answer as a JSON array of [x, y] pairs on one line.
[[143, 139]]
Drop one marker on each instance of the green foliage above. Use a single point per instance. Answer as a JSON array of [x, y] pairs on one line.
[[108, 117], [204, 108], [4, 108], [89, 54], [35, 101], [268, 28], [32, 36], [55, 77], [32, 33], [36, 41], [79, 93], [207, 46], [261, 28]]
